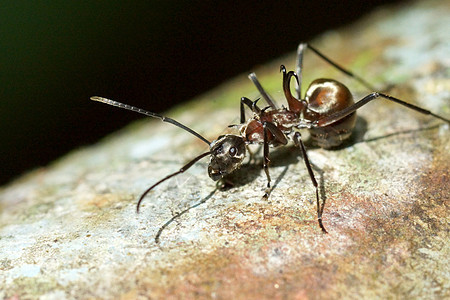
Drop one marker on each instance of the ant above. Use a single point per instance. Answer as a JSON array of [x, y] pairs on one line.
[[327, 110]]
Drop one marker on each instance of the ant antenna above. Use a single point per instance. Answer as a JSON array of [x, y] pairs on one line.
[[149, 114], [184, 168]]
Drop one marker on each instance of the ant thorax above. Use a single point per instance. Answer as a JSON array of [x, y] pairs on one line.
[[253, 130]]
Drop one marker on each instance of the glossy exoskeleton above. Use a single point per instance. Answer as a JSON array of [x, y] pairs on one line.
[[327, 110]]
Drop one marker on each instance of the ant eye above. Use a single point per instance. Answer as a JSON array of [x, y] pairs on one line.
[[232, 151]]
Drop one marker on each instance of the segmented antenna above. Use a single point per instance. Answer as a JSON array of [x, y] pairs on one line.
[[184, 168], [149, 114]]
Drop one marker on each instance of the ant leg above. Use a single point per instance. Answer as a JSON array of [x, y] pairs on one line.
[[264, 94], [266, 160], [302, 47], [278, 136], [248, 102], [328, 120], [299, 68], [298, 141], [251, 104]]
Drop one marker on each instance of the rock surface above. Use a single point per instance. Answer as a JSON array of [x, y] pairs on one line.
[[70, 230]]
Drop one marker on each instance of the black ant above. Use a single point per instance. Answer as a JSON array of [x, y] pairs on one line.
[[327, 110]]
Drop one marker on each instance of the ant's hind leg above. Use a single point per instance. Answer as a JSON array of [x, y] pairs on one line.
[[301, 49], [330, 119], [299, 68]]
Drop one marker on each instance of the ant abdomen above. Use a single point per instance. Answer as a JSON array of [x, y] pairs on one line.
[[325, 97]]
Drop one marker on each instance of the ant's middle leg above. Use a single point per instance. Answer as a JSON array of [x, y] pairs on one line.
[[266, 160], [298, 142], [278, 138]]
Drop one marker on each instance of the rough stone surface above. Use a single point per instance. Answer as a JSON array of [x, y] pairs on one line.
[[70, 230]]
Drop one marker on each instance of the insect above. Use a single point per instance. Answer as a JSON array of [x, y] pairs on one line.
[[327, 110]]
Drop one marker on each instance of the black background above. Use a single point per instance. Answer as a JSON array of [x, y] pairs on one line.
[[54, 55]]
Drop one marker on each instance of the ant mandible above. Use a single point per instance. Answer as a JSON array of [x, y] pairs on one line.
[[327, 111]]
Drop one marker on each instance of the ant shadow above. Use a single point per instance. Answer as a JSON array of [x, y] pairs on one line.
[[360, 129], [247, 173], [292, 155], [178, 215], [357, 136], [283, 156], [251, 170]]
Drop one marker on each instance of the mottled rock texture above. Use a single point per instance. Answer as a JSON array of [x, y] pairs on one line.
[[70, 230]]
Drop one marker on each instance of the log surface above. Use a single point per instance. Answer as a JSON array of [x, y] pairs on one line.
[[70, 230]]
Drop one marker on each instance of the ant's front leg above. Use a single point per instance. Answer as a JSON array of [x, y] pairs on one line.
[[278, 138], [251, 104]]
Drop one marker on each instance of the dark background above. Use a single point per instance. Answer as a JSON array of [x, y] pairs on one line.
[[54, 55]]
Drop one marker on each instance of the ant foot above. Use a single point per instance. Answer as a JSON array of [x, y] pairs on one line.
[[267, 193]]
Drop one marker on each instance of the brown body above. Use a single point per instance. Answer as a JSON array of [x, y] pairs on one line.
[[327, 111], [323, 98]]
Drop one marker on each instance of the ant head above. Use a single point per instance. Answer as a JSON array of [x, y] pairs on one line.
[[227, 154]]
